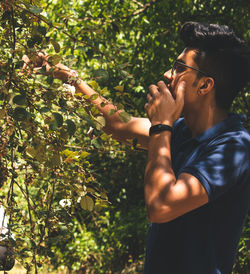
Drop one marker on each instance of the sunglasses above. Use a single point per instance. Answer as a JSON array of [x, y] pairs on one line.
[[177, 66]]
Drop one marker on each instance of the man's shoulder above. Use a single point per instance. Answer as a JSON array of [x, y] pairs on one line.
[[232, 130]]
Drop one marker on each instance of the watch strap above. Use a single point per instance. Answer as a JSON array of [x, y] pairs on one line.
[[159, 128]]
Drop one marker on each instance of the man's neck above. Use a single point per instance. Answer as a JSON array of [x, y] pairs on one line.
[[201, 120]]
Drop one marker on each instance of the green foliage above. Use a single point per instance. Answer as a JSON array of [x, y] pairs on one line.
[[55, 163], [242, 264]]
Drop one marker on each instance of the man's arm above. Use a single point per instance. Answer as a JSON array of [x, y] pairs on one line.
[[136, 128], [166, 196]]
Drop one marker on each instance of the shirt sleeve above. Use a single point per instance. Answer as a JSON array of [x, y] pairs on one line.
[[220, 166]]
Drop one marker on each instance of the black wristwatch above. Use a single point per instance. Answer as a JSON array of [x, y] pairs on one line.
[[159, 128]]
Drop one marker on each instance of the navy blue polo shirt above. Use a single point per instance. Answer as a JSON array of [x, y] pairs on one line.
[[204, 241]]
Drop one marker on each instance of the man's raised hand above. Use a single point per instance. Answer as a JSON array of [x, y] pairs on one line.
[[36, 64], [161, 107]]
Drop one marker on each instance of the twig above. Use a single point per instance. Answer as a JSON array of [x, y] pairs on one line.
[[14, 37], [138, 3], [61, 30], [10, 192], [144, 8], [48, 212], [26, 197], [31, 223]]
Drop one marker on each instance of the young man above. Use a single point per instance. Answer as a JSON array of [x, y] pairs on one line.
[[197, 178]]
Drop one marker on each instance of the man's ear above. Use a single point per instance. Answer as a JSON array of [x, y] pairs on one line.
[[206, 85]]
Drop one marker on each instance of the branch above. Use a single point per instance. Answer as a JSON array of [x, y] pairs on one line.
[[144, 8], [31, 224], [141, 10], [61, 30], [138, 3], [48, 214]]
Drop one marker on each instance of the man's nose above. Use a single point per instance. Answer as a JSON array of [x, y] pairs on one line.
[[168, 76]]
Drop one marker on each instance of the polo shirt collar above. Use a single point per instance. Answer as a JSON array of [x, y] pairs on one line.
[[232, 121]]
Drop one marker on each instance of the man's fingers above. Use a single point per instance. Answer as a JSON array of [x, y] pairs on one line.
[[26, 61], [42, 59], [153, 90], [25, 58], [163, 88], [149, 97], [162, 85]]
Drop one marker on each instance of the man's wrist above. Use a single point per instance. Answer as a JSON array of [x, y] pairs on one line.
[[61, 74], [66, 76], [158, 128], [72, 78], [163, 122]]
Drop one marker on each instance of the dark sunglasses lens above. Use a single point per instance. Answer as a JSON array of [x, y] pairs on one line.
[[173, 68]]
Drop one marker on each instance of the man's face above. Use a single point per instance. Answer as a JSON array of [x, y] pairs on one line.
[[181, 72]]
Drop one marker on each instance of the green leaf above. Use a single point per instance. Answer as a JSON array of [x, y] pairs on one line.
[[100, 204], [103, 104], [2, 113], [44, 109], [42, 30], [31, 151], [71, 127], [84, 154], [101, 75], [37, 39], [50, 79], [94, 85], [124, 73], [111, 112], [97, 143], [124, 116], [58, 119], [94, 110], [20, 114], [94, 96], [53, 126], [19, 100], [87, 203], [119, 88], [54, 59], [40, 153], [42, 70], [55, 45], [120, 106], [55, 160], [101, 122], [35, 9]]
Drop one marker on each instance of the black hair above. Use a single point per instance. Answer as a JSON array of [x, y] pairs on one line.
[[222, 55]]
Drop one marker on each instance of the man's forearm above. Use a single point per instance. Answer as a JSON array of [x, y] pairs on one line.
[[121, 131], [159, 175], [63, 73]]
